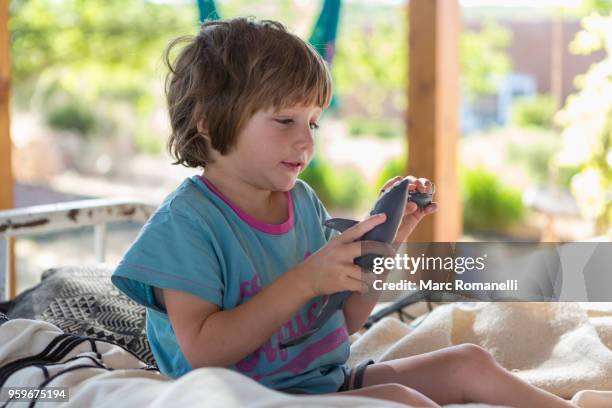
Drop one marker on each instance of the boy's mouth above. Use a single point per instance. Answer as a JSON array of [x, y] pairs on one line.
[[293, 165]]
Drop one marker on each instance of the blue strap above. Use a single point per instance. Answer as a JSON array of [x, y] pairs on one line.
[[208, 10], [322, 38]]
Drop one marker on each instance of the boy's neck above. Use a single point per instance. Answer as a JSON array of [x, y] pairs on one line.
[[264, 205]]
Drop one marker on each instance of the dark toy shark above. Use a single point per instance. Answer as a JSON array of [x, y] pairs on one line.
[[392, 203]]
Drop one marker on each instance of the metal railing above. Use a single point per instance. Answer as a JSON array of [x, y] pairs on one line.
[[42, 219]]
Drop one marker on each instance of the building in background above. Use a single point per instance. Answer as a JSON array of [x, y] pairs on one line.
[[531, 52]]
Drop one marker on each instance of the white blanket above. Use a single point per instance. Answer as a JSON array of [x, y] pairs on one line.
[[128, 385], [562, 347]]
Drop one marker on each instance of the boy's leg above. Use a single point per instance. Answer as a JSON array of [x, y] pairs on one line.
[[461, 374], [393, 392]]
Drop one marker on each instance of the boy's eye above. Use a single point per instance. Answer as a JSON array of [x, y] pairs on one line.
[[285, 121], [313, 125]]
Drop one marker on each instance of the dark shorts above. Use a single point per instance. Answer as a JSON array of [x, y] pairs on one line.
[[356, 372]]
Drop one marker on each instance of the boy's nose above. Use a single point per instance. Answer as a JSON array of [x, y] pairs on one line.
[[305, 138]]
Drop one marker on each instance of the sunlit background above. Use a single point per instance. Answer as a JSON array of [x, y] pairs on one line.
[[89, 117]]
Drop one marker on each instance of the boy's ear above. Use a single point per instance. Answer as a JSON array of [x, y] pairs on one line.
[[203, 129]]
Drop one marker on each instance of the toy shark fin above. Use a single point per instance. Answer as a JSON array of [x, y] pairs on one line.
[[340, 224]]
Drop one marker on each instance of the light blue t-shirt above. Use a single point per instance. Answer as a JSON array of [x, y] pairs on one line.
[[199, 242]]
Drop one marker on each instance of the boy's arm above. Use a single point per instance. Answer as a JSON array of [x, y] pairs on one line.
[[356, 310], [358, 306], [212, 337]]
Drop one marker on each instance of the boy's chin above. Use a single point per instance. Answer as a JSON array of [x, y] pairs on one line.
[[285, 185]]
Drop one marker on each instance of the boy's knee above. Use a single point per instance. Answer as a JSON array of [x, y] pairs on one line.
[[396, 389], [474, 352], [472, 357]]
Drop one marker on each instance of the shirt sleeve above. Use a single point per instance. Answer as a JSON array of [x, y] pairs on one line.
[[322, 213], [329, 232], [175, 252]]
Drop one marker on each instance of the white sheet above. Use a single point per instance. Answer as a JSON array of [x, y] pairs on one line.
[[129, 386], [565, 348]]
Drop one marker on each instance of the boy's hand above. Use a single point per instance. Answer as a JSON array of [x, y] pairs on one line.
[[412, 214], [331, 268]]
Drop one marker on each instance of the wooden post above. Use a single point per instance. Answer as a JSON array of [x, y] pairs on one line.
[[433, 112], [6, 173]]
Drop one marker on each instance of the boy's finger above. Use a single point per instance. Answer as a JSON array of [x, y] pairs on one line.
[[358, 286], [359, 283], [411, 207], [359, 248], [355, 273], [431, 208], [377, 248], [390, 183], [357, 230], [353, 250]]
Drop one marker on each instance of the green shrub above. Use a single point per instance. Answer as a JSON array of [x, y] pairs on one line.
[[535, 112], [337, 188], [349, 188], [384, 128], [565, 175], [317, 176], [147, 142], [489, 205], [394, 167], [72, 115], [535, 157]]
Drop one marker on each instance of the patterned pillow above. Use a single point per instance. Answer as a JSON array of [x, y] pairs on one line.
[[82, 300]]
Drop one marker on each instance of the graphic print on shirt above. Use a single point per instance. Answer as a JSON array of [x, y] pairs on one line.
[[297, 325]]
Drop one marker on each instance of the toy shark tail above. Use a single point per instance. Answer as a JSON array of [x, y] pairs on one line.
[[334, 303], [340, 224]]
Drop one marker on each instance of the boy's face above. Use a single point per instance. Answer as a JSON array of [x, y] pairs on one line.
[[274, 147]]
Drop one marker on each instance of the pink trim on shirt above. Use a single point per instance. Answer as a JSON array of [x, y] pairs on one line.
[[275, 229]]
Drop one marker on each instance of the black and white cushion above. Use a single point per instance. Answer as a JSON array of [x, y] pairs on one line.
[[82, 300]]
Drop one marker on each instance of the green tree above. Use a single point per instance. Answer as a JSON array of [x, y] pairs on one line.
[[483, 58], [372, 61], [112, 35], [372, 57], [297, 16], [99, 56], [598, 6], [586, 120], [534, 112]]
